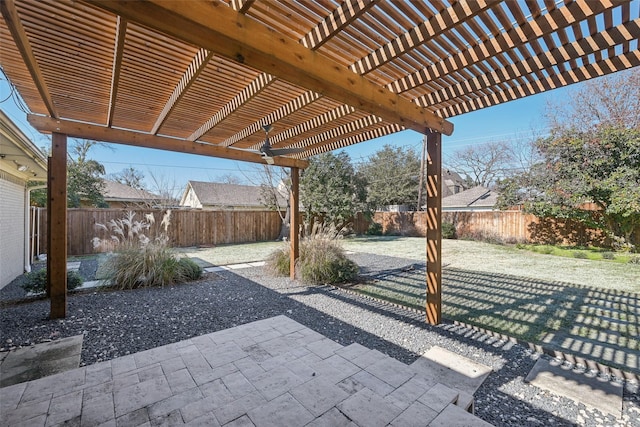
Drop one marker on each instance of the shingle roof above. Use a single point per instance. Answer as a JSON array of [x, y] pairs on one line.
[[475, 197], [114, 191], [219, 194]]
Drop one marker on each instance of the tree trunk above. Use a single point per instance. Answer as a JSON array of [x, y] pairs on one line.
[[286, 224]]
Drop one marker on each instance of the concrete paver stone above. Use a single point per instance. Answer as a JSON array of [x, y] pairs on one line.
[[593, 391], [273, 372]]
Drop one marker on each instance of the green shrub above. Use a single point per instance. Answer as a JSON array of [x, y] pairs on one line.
[[36, 281], [321, 260], [634, 259], [188, 270], [324, 262], [375, 229], [580, 255], [608, 255], [545, 250], [151, 265], [448, 230], [278, 261]]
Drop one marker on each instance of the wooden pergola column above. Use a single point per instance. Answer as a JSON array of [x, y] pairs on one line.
[[295, 222], [434, 228], [57, 230]]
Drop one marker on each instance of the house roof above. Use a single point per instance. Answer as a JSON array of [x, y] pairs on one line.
[[476, 197], [203, 76], [220, 194], [115, 191], [19, 156]]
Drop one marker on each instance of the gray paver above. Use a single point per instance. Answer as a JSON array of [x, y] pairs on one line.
[[454, 416], [313, 380], [239, 407], [282, 411], [276, 382], [591, 390], [319, 395], [448, 367], [416, 415], [391, 371], [98, 411], [243, 421], [366, 408], [180, 381], [140, 395], [170, 404], [438, 397], [332, 418], [64, 408]]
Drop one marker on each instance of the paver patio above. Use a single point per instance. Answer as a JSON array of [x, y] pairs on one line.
[[273, 372]]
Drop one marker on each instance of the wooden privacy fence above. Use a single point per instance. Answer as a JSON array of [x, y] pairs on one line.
[[499, 226], [188, 227]]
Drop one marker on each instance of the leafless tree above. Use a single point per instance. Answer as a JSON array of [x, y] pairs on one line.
[[275, 187], [613, 100], [166, 188], [484, 164]]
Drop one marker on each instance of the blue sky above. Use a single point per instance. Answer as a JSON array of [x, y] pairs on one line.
[[504, 122]]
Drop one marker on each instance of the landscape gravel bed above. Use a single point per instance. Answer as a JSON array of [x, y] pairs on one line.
[[116, 323]]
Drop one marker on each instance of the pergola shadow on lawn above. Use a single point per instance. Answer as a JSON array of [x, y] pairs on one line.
[[597, 325]]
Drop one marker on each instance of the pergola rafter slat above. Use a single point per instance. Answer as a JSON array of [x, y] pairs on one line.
[[121, 31]]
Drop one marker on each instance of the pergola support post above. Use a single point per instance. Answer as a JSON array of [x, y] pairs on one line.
[[57, 230], [434, 228], [295, 222]]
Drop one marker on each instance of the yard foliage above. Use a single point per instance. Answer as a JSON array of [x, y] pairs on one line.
[[142, 256]]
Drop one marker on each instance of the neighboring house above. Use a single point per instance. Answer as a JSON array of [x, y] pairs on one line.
[[474, 199], [122, 196], [20, 162], [219, 196], [452, 183]]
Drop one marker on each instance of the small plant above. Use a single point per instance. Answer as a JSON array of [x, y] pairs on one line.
[[608, 255], [579, 255], [188, 270], [36, 281], [139, 260], [321, 261], [545, 250], [634, 259], [448, 230], [375, 229]]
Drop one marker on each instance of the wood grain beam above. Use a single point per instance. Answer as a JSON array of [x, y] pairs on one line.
[[309, 125], [11, 18], [118, 49], [251, 90], [434, 229], [215, 26], [194, 69], [242, 6], [509, 39], [57, 228], [282, 112], [365, 135], [138, 139], [453, 16], [349, 11]]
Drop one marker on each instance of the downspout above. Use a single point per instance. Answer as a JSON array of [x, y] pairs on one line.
[[27, 221]]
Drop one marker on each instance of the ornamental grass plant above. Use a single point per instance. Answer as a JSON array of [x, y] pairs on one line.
[[138, 260], [321, 260]]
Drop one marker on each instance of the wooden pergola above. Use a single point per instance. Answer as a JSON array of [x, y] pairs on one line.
[[203, 76]]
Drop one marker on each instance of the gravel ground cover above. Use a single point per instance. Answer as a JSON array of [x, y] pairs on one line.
[[116, 323]]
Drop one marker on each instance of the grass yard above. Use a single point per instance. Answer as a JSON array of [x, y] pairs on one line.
[[577, 305]]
